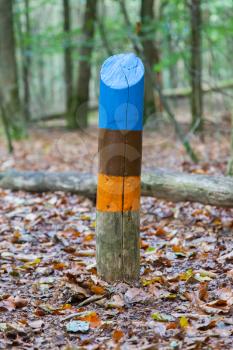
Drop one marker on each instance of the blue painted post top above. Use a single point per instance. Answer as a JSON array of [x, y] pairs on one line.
[[121, 93]]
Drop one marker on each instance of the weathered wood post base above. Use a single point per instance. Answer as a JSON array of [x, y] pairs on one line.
[[119, 178]]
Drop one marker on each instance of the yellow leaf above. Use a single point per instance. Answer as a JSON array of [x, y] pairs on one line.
[[183, 322], [186, 275], [85, 217], [217, 222], [31, 264], [93, 224], [89, 237], [157, 316], [155, 279]]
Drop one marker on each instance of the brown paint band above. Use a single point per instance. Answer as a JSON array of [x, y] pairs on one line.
[[110, 196], [120, 152]]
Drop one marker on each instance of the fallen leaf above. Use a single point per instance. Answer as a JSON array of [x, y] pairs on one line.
[[116, 302], [144, 244], [3, 326], [59, 266], [225, 257], [36, 324], [161, 317], [20, 302], [204, 276], [7, 255], [136, 295], [7, 305], [230, 274], [185, 276], [117, 335], [147, 282], [97, 289], [78, 327], [77, 293], [85, 253], [171, 325], [92, 318], [178, 249], [30, 264], [15, 329], [203, 292], [183, 322], [160, 231], [225, 294], [150, 250], [27, 258], [89, 237]]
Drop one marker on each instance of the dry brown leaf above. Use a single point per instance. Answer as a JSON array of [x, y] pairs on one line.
[[97, 289], [93, 318], [203, 291], [160, 231], [117, 335], [59, 265], [116, 302], [136, 295]]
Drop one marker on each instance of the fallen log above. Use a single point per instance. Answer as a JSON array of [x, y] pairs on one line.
[[186, 91], [160, 183]]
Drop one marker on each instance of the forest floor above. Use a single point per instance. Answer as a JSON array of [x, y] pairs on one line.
[[50, 294]]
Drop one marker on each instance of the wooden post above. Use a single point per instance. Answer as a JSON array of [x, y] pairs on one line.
[[119, 182]]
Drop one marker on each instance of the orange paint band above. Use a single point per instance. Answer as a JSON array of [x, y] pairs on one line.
[[117, 193]]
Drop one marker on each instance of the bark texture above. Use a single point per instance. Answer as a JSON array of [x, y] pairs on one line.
[[173, 68], [79, 111], [27, 64], [161, 183], [9, 94], [230, 161], [68, 66], [196, 65], [118, 246], [151, 54]]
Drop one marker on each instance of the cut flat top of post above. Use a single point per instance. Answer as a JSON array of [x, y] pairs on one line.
[[121, 93], [122, 71]]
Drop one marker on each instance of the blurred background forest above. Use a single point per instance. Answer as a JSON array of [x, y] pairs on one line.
[[51, 297], [51, 52]]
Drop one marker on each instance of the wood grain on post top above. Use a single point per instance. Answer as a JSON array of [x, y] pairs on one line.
[[121, 93], [120, 150]]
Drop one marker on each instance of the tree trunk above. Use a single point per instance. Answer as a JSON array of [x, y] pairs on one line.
[[196, 65], [151, 53], [8, 72], [173, 76], [67, 59], [42, 79], [5, 124], [23, 31], [161, 183], [80, 109], [230, 161], [102, 31], [27, 64]]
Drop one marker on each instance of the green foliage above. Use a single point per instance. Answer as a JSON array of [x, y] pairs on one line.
[[170, 30]]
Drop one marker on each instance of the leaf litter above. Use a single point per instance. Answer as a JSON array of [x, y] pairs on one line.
[[51, 296]]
